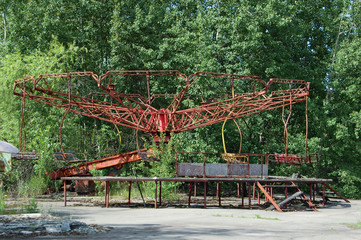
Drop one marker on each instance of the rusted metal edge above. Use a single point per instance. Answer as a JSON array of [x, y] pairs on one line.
[[178, 179]]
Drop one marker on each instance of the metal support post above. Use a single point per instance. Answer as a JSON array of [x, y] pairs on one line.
[[155, 194], [286, 205], [323, 194], [205, 194], [189, 194], [195, 189], [254, 191], [249, 196], [238, 189], [243, 187], [217, 190], [129, 191], [160, 193], [219, 194], [314, 192], [64, 185], [106, 194]]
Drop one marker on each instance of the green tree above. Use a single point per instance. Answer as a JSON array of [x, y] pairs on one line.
[[317, 41], [342, 105]]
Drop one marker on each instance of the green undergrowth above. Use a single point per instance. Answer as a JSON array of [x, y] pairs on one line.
[[22, 198], [17, 207], [33, 187], [145, 189]]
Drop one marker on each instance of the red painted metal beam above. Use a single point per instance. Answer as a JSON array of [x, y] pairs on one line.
[[337, 193], [84, 168], [268, 196]]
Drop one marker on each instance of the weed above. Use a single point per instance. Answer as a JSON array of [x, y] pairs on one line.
[[35, 186], [33, 227], [32, 206], [353, 225], [2, 200], [257, 216], [220, 215], [265, 218], [99, 188]]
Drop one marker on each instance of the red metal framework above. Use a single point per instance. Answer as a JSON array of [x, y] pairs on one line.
[[130, 98], [292, 159], [116, 161]]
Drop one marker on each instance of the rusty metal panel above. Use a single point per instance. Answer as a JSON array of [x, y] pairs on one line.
[[85, 186], [258, 170], [216, 169], [222, 170], [190, 169], [238, 169]]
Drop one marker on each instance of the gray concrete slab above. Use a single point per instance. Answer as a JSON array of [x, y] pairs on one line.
[[213, 223]]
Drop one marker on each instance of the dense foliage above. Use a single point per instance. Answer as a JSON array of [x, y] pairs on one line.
[[318, 41]]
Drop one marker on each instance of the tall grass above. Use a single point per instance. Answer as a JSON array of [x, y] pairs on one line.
[[36, 185], [2, 200]]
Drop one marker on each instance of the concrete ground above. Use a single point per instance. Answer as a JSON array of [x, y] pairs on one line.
[[213, 223]]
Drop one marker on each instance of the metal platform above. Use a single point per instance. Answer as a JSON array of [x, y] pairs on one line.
[[251, 185]]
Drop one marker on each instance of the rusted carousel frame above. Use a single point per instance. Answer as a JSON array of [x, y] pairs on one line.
[[135, 111]]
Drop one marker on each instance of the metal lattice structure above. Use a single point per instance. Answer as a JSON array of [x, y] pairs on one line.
[[161, 101]]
